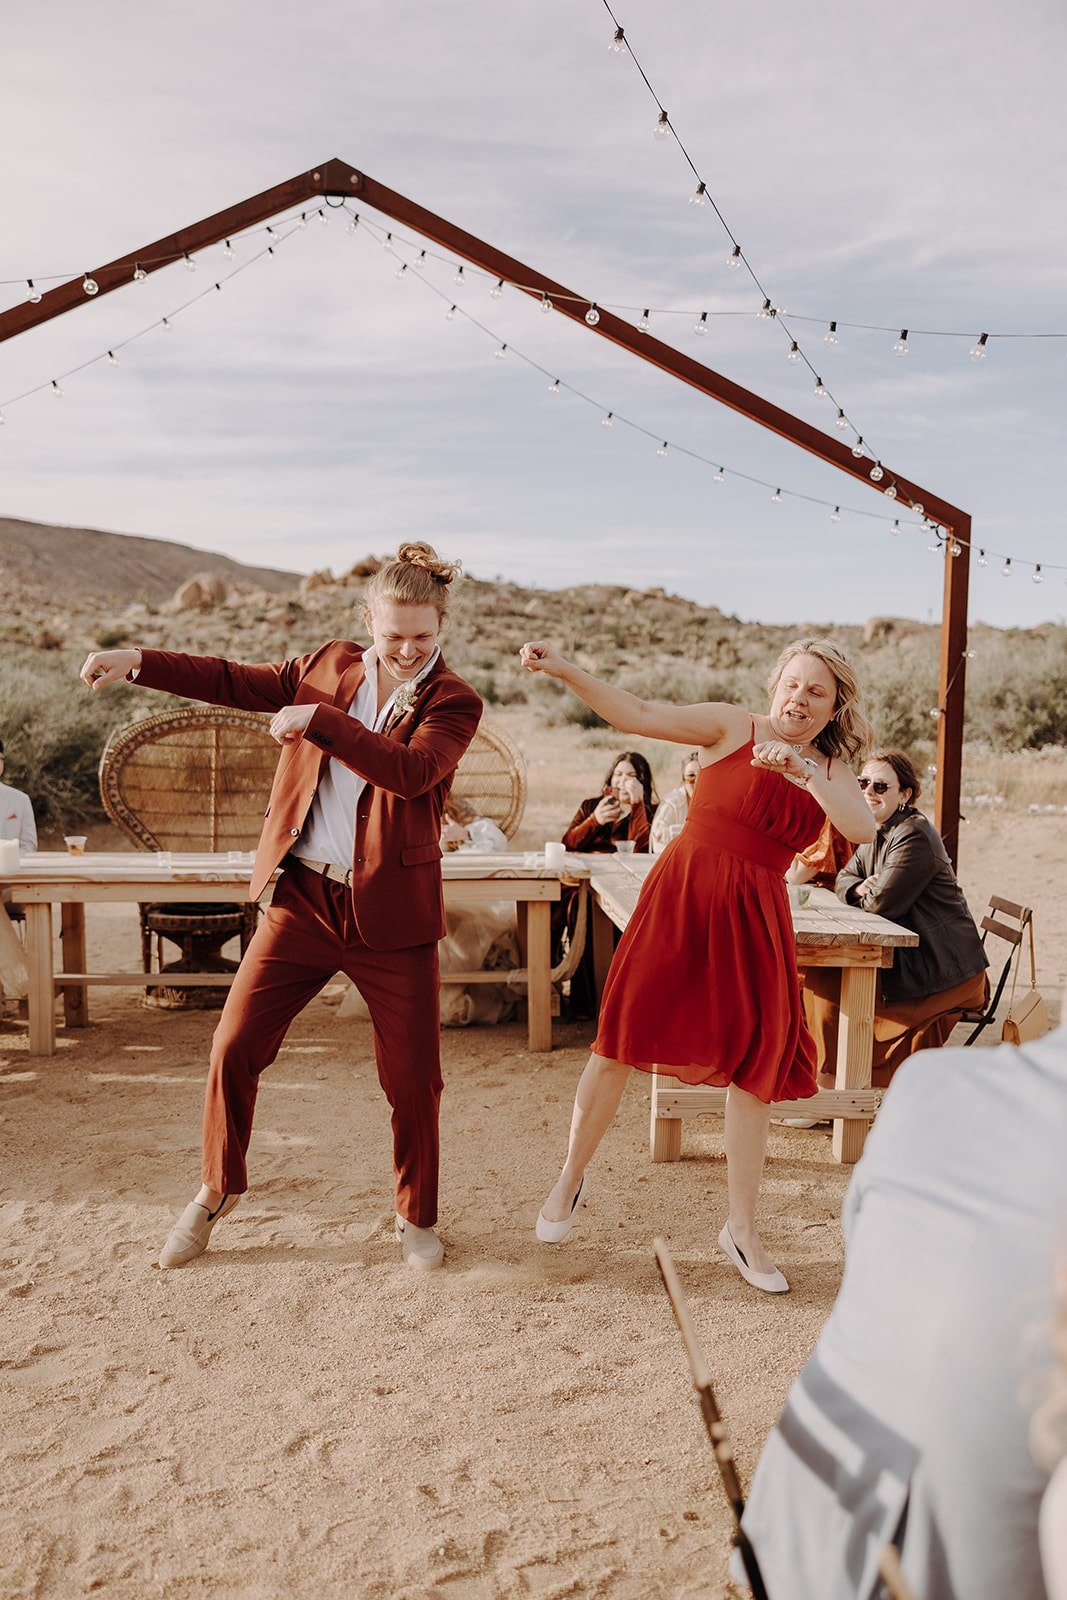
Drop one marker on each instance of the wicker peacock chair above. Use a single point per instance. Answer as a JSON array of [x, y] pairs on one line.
[[196, 779], [491, 778]]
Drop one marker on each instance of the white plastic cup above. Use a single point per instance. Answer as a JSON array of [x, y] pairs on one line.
[[799, 894], [555, 854], [9, 855], [626, 847], [75, 843]]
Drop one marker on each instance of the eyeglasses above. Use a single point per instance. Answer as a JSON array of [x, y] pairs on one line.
[[878, 785]]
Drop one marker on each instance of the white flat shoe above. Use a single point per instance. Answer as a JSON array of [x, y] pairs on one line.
[[556, 1232], [190, 1234], [420, 1247], [770, 1282]]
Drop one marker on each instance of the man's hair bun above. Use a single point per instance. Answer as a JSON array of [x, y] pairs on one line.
[[418, 554]]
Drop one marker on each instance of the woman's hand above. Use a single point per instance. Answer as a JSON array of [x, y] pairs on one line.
[[631, 792], [607, 810], [289, 723], [537, 656], [104, 667], [778, 757]]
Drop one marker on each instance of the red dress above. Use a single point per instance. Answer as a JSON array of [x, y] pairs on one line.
[[704, 982]]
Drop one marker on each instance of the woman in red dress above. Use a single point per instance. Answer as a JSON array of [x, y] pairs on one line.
[[704, 982]]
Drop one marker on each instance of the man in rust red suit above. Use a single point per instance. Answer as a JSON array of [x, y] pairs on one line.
[[370, 741]]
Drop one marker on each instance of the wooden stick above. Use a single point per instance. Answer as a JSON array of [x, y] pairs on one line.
[[720, 1443], [891, 1575]]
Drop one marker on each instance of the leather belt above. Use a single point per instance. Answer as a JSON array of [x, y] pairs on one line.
[[325, 869]]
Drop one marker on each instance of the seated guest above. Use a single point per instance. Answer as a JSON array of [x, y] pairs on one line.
[[909, 1424], [673, 810], [463, 829], [624, 808], [16, 813], [904, 875]]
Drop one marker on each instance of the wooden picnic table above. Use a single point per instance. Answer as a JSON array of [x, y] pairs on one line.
[[828, 934], [47, 878]]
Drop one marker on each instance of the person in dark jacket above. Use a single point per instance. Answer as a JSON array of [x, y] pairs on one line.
[[904, 875]]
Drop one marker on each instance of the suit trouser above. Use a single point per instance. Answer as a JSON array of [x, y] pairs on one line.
[[900, 1027], [307, 936]]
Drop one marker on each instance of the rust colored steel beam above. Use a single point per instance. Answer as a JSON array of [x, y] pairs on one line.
[[338, 178], [951, 692]]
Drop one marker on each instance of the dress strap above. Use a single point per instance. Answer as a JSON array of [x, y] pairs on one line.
[[829, 765]]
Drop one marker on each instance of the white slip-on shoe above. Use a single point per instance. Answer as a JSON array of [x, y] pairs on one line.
[[771, 1282], [190, 1234], [420, 1247], [556, 1232]]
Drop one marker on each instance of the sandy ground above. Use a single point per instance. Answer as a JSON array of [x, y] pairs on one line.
[[296, 1414]]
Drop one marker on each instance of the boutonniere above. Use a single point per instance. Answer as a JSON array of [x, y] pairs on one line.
[[404, 699]]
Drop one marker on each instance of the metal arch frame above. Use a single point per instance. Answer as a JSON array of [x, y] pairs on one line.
[[336, 178]]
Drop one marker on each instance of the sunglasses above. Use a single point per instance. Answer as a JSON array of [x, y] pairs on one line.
[[879, 785]]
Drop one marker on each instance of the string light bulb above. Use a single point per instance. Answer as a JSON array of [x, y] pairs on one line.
[[546, 305], [776, 496], [895, 529], [450, 314], [830, 336], [420, 261], [701, 327], [835, 515], [354, 223], [401, 270], [113, 359], [663, 126], [719, 474], [33, 294], [794, 352], [190, 264], [983, 559], [56, 390], [955, 548], [734, 258], [168, 327], [616, 44], [1039, 576], [877, 472], [230, 253], [1005, 571], [642, 321], [918, 507], [890, 491], [608, 421], [980, 352], [497, 290], [501, 353], [303, 222], [765, 311], [842, 420], [592, 316], [857, 448], [273, 235], [553, 387], [90, 285], [901, 346], [459, 279], [324, 218], [820, 389], [697, 196], [139, 273], [662, 451]]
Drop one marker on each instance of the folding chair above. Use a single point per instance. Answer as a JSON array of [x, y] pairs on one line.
[[992, 924]]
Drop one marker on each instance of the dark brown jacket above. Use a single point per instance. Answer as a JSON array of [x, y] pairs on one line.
[[916, 887], [396, 871]]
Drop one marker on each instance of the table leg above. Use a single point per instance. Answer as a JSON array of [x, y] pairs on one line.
[[539, 974], [664, 1133], [855, 1049], [75, 997], [603, 934], [40, 994]]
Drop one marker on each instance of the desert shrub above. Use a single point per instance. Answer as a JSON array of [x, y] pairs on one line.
[[112, 638]]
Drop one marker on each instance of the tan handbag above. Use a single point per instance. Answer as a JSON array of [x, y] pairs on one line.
[[1028, 1016]]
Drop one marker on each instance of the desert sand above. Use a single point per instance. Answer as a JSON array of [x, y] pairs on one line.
[[296, 1414]]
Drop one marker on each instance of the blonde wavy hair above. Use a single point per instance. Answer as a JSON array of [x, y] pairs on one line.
[[416, 576], [848, 735]]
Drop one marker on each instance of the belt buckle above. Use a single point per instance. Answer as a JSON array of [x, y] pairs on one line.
[[347, 879]]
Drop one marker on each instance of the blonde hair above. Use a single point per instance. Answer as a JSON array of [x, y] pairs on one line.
[[415, 577], [848, 734]]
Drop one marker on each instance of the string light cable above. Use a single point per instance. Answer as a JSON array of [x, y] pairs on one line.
[[164, 322], [392, 242]]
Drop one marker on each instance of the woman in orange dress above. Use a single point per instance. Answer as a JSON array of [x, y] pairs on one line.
[[704, 982]]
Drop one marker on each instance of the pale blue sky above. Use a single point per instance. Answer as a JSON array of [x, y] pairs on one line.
[[893, 165]]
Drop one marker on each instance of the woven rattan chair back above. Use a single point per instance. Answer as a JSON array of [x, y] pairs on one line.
[[190, 780], [491, 777]]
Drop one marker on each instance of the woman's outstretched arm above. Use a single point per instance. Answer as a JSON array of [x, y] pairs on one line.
[[704, 725]]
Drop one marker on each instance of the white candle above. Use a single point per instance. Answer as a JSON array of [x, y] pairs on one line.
[[555, 854]]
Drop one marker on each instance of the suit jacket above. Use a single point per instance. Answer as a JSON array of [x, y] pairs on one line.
[[396, 869], [910, 1421]]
